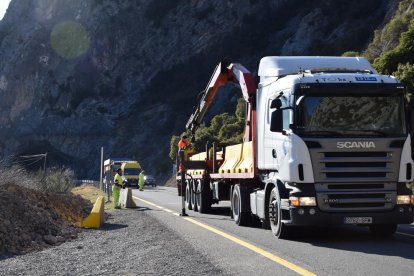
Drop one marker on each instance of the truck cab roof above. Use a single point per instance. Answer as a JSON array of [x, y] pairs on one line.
[[276, 66]]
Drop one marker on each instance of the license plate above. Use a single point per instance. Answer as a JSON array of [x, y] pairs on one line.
[[358, 220]]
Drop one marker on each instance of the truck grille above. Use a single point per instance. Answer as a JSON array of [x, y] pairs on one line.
[[379, 164], [349, 165], [355, 179], [356, 197]]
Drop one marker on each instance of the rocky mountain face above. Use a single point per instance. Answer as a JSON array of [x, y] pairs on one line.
[[76, 75]]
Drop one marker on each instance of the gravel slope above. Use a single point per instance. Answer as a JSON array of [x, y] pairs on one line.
[[130, 243]]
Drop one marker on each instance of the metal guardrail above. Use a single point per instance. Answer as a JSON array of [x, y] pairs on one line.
[[86, 181]]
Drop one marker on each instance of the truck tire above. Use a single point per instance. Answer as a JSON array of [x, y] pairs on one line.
[[194, 195], [383, 230], [279, 229], [188, 202], [203, 196], [241, 218]]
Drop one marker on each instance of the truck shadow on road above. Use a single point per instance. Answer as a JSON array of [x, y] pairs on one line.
[[356, 239], [216, 211]]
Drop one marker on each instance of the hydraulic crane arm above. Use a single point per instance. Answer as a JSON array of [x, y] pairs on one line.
[[235, 73]]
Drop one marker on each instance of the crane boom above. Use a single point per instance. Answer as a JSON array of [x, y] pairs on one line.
[[236, 73]]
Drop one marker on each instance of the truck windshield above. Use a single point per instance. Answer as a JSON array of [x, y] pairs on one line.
[[130, 171], [351, 115]]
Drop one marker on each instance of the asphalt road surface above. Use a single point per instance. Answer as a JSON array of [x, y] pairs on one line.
[[239, 250]]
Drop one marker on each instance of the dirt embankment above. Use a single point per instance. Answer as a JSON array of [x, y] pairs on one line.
[[32, 220]]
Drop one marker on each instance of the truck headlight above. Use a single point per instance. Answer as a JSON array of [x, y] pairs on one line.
[[403, 199], [302, 201]]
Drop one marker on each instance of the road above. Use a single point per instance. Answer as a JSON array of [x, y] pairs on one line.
[[239, 250]]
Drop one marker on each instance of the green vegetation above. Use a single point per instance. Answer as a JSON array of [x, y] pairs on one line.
[[404, 53], [55, 179], [388, 37], [224, 129], [174, 147], [393, 47], [351, 54]]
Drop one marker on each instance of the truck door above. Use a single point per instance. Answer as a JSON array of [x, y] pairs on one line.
[[279, 140], [270, 152]]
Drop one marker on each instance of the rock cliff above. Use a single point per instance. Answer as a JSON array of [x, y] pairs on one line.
[[76, 75]]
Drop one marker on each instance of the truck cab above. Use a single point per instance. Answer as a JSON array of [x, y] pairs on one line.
[[326, 142], [131, 170], [333, 141]]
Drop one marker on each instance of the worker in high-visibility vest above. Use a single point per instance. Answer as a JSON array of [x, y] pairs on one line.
[[116, 188], [183, 143], [141, 180]]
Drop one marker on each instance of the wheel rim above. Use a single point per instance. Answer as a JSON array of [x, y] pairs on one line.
[[236, 209], [198, 195], [193, 195], [273, 211], [187, 193]]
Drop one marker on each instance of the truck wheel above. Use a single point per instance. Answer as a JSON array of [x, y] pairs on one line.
[[203, 197], [279, 229], [194, 195], [188, 201], [383, 230], [241, 218]]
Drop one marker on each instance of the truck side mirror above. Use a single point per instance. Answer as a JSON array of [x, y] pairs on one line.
[[276, 103], [276, 121]]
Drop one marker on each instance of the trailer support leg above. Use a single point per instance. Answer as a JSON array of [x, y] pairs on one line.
[[183, 214]]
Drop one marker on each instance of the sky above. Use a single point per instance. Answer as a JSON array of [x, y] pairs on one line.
[[3, 7]]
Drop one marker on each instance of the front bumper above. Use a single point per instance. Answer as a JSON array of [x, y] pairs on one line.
[[132, 183], [394, 216]]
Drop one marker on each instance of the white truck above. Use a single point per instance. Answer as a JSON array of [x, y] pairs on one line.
[[326, 143]]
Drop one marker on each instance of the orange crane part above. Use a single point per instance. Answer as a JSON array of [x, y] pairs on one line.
[[223, 74]]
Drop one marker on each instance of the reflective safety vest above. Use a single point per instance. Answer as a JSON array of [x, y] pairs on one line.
[[183, 143], [118, 179], [141, 178]]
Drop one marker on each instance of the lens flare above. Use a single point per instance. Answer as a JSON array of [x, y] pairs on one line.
[[69, 39]]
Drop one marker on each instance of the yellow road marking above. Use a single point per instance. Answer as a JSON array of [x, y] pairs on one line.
[[250, 246], [405, 234], [254, 248]]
